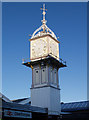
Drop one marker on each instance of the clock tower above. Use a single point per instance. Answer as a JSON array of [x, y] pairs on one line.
[[45, 63]]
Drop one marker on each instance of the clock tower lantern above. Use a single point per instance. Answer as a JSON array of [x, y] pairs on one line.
[[45, 63]]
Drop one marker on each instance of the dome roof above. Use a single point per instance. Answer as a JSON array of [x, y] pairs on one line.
[[40, 32]]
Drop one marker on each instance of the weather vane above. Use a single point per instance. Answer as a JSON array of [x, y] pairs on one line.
[[44, 12]]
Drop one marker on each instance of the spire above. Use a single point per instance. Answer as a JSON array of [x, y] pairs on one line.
[[43, 29], [44, 12]]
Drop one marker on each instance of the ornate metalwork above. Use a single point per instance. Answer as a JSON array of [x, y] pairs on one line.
[[43, 29]]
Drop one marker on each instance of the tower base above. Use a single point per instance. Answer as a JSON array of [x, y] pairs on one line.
[[46, 97]]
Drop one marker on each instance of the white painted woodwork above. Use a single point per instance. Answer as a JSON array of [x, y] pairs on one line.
[[45, 76], [46, 97]]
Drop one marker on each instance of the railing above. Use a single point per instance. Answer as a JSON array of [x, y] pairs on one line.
[[59, 59], [48, 56], [62, 61]]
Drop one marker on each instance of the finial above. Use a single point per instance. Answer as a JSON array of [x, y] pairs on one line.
[[44, 12], [43, 29]]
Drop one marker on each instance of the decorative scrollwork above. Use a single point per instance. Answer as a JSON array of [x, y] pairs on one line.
[[38, 32]]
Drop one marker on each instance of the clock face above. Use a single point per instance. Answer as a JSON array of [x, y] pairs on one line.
[[44, 46], [54, 48], [39, 48]]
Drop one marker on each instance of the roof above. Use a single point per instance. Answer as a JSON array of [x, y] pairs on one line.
[[23, 101], [39, 32], [75, 106], [20, 107], [4, 98], [20, 104]]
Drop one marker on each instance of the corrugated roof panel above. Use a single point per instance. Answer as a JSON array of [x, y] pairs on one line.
[[75, 106]]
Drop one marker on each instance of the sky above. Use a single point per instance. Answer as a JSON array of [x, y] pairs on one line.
[[69, 22]]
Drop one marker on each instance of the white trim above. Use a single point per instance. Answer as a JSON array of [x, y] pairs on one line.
[[25, 101]]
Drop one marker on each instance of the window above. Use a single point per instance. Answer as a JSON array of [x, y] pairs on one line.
[[43, 75], [51, 75], [55, 76], [36, 76]]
